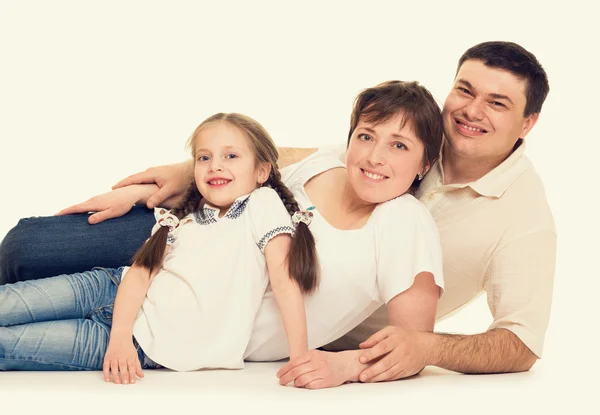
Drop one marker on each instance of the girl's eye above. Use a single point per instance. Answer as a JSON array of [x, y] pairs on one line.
[[231, 156], [400, 146], [203, 158], [364, 137]]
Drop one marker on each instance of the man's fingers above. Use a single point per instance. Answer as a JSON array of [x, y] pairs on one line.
[[376, 351], [377, 368], [375, 338], [139, 178], [316, 384], [388, 374]]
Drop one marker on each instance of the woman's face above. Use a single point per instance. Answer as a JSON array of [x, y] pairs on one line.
[[383, 159]]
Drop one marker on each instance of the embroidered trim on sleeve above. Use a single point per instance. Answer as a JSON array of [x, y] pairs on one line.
[[271, 234]]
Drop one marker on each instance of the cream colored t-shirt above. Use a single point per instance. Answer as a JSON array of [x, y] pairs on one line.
[[498, 237]]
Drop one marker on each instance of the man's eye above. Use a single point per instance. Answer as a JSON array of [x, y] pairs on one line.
[[464, 90], [364, 137], [498, 104]]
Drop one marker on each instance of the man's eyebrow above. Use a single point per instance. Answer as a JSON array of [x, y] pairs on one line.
[[493, 95]]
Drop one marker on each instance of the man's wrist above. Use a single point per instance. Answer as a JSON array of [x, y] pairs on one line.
[[428, 343]]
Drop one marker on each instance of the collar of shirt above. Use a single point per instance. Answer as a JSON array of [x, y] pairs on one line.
[[493, 184], [236, 208]]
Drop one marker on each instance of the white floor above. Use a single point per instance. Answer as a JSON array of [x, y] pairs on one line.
[[255, 389]]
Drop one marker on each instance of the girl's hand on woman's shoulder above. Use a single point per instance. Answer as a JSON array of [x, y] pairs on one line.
[[122, 362]]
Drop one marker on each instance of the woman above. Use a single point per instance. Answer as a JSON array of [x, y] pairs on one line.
[[376, 243]]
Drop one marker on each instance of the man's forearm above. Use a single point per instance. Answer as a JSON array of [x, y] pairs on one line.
[[291, 155], [495, 351]]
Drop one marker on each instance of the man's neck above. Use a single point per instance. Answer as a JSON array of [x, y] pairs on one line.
[[461, 170]]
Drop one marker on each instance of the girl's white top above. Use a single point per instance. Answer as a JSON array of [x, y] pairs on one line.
[[360, 269], [201, 305]]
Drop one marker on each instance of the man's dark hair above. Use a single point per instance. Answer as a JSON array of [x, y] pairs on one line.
[[518, 61]]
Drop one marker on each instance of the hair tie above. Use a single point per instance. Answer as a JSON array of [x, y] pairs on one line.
[[166, 218], [304, 216]]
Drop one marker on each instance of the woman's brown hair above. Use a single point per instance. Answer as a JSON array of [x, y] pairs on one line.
[[302, 257]]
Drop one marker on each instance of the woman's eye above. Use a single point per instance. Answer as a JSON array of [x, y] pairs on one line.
[[364, 137], [400, 146]]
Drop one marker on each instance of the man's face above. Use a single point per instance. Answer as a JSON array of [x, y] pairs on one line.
[[483, 113]]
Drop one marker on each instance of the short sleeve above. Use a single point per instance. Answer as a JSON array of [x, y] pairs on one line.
[[519, 285], [408, 243], [268, 216]]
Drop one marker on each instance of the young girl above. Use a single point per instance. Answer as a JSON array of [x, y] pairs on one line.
[[190, 298]]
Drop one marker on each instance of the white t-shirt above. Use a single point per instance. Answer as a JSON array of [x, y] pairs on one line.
[[200, 307], [361, 269]]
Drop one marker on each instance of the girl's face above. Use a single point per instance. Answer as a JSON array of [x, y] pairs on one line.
[[383, 159], [225, 165]]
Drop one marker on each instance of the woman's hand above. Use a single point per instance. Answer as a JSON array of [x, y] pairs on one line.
[[318, 369], [121, 360], [172, 180], [110, 205]]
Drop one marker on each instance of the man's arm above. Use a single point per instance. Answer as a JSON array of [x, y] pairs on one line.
[[291, 155], [495, 351]]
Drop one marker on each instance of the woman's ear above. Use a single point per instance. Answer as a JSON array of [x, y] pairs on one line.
[[263, 172], [426, 167]]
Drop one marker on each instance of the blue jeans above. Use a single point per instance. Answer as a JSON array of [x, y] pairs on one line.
[[42, 247], [59, 323]]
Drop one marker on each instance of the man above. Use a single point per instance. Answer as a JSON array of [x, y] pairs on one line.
[[496, 229]]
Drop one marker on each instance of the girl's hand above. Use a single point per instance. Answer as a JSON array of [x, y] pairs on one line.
[[107, 205], [121, 359], [318, 369]]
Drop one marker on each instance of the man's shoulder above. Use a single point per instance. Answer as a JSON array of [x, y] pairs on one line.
[[526, 200]]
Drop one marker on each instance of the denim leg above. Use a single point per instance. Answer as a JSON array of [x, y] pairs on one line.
[[63, 297], [40, 247], [78, 344]]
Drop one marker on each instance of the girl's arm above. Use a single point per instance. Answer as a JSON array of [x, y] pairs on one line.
[[287, 294], [121, 356]]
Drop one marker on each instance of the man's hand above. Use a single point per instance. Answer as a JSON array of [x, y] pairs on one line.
[[401, 353], [109, 205], [172, 180], [318, 369], [121, 360]]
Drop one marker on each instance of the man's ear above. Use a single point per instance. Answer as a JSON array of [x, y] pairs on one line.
[[528, 124], [263, 170]]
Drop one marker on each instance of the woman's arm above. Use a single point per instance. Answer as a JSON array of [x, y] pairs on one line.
[[402, 347], [287, 294]]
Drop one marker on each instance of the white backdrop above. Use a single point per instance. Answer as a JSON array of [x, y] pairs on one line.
[[93, 91]]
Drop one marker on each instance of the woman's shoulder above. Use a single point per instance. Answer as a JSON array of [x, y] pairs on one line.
[[401, 210]]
